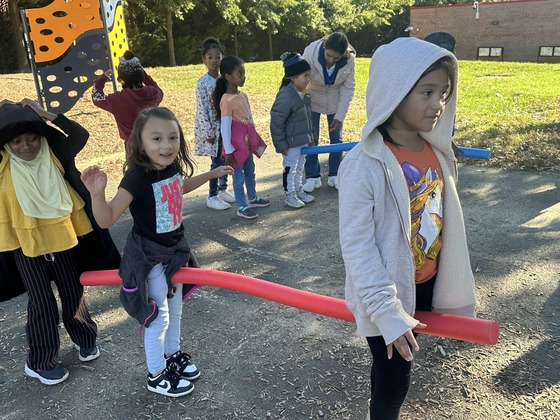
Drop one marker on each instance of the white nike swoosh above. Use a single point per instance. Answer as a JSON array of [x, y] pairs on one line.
[[164, 385]]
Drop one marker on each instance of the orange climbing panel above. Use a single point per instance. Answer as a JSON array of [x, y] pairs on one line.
[[53, 28]]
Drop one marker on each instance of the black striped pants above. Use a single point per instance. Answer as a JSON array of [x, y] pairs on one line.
[[42, 309]]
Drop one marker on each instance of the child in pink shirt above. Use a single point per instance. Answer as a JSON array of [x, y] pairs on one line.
[[240, 139]]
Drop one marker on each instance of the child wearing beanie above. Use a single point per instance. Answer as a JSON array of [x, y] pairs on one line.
[[291, 126], [139, 91]]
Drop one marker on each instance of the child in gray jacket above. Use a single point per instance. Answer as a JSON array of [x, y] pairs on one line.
[[291, 126]]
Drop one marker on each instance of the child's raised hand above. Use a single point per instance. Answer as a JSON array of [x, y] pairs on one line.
[[95, 180], [38, 109], [34, 105]]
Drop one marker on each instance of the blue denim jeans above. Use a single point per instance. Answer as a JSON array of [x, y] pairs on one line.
[[217, 184], [312, 166], [163, 336], [244, 176]]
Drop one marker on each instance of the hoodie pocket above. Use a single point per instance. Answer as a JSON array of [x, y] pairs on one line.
[[137, 307], [401, 272]]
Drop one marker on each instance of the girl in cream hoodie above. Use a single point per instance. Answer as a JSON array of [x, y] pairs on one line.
[[401, 225], [332, 85]]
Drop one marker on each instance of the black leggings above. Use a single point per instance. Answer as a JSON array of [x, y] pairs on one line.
[[390, 378]]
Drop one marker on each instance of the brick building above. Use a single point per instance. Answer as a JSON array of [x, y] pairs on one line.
[[522, 30]]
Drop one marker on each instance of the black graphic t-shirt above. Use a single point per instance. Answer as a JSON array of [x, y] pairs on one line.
[[156, 207]]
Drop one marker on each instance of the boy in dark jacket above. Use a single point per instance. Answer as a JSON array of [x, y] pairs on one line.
[[291, 127]]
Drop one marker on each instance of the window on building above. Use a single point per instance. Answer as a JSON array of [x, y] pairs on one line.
[[549, 53], [490, 53]]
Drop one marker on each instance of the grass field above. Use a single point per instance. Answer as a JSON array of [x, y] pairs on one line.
[[512, 108]]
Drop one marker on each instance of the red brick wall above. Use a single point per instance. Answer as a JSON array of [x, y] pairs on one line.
[[520, 27]]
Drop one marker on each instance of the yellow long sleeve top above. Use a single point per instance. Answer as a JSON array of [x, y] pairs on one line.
[[37, 236]]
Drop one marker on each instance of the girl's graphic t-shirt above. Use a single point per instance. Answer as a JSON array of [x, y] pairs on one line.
[[157, 204], [425, 186]]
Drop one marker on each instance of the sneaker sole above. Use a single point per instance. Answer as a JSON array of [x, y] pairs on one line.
[[247, 217], [227, 199], [306, 201], [87, 358], [258, 205], [31, 373], [191, 378], [90, 357], [218, 208], [293, 206], [171, 394], [311, 188]]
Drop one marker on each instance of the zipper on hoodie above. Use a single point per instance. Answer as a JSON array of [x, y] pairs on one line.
[[406, 233], [154, 307]]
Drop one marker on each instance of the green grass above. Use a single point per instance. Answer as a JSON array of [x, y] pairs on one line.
[[511, 108]]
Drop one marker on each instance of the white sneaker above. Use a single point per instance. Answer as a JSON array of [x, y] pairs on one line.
[[292, 200], [170, 384], [332, 182], [217, 203], [312, 184], [303, 196], [226, 196]]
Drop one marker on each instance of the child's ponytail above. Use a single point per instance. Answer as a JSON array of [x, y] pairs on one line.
[[227, 66], [219, 90]]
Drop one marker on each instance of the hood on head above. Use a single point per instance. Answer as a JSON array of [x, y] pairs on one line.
[[16, 120], [394, 70]]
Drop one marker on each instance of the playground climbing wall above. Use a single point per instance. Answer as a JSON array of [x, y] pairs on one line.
[[70, 43]]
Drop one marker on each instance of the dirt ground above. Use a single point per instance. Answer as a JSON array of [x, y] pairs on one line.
[[262, 360]]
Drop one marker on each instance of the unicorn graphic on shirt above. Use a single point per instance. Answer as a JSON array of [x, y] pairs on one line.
[[426, 212]]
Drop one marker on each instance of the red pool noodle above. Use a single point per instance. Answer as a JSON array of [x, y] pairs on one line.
[[474, 330]]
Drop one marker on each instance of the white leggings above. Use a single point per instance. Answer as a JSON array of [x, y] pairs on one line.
[[163, 336]]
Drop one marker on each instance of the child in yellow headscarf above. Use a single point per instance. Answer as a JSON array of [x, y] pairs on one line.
[[42, 219]]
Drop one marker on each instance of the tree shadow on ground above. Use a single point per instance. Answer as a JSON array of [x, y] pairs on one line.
[[539, 368]]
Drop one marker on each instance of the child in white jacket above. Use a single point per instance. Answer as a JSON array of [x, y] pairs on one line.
[[332, 84], [402, 232]]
